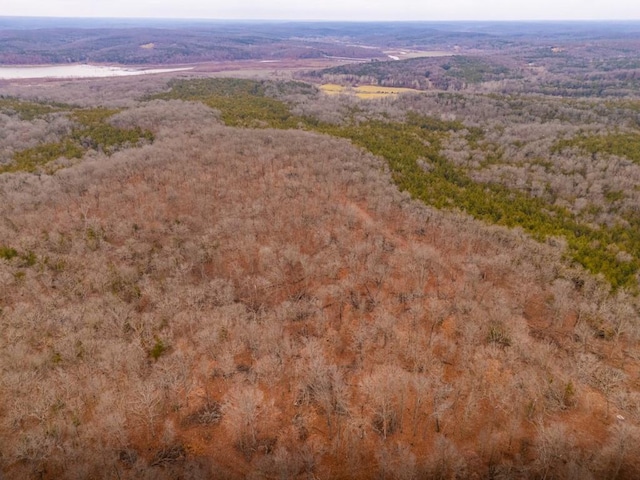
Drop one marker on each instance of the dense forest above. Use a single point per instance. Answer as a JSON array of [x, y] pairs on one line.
[[249, 278]]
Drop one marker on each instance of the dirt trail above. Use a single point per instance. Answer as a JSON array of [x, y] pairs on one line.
[[365, 217]]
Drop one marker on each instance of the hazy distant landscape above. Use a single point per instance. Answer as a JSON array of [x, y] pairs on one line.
[[320, 250], [43, 41]]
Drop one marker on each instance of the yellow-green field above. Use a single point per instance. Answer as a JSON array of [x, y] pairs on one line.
[[365, 91]]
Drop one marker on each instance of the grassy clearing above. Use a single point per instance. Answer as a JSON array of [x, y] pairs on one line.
[[366, 92]]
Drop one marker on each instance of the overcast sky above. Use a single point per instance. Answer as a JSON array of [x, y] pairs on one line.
[[332, 9]]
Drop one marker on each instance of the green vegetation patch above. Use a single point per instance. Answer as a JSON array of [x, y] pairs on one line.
[[8, 253], [621, 144], [445, 186], [420, 73], [97, 134], [243, 103], [158, 349], [474, 70], [29, 110], [379, 70], [109, 139], [92, 116], [93, 132], [31, 159], [27, 259]]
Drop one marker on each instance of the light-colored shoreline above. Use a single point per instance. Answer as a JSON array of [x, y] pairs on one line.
[[20, 72]]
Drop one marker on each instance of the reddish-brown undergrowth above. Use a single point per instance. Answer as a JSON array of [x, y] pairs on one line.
[[233, 303]]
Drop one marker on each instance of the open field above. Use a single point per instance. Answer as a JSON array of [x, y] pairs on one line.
[[364, 91]]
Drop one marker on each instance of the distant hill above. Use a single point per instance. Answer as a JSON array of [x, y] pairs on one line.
[[29, 40]]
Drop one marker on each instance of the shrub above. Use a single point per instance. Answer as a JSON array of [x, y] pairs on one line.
[[158, 349], [8, 253]]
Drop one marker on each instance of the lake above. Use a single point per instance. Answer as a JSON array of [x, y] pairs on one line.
[[78, 71]]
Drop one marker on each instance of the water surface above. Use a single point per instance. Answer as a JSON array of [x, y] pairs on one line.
[[78, 71]]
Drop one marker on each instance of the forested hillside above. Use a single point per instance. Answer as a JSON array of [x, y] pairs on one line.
[[223, 278]]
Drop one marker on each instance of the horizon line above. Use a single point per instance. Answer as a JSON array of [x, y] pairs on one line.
[[325, 20]]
